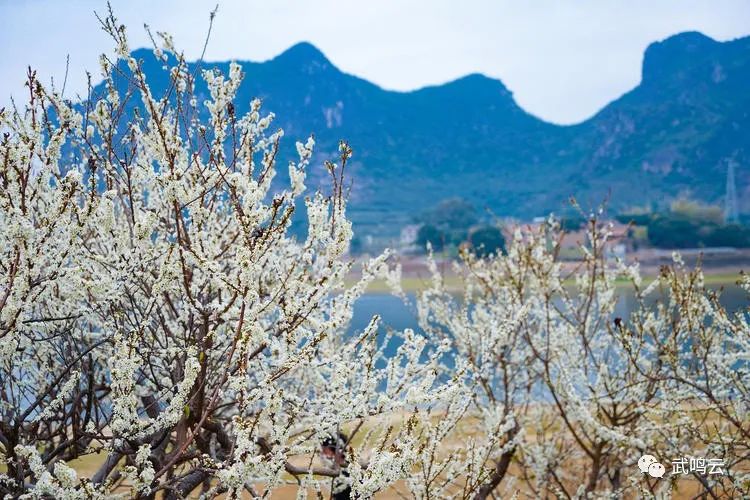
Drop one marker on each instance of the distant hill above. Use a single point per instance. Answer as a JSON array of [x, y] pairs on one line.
[[668, 136]]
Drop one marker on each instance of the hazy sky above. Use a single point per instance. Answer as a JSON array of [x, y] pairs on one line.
[[563, 60]]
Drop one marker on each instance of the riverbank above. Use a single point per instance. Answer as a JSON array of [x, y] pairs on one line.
[[454, 283]]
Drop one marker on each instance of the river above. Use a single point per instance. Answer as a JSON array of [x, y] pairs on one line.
[[397, 315]]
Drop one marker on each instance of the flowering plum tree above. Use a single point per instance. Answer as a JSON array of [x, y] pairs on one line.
[[158, 319], [568, 395], [164, 334]]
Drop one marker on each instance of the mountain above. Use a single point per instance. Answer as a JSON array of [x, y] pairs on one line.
[[674, 132], [670, 135]]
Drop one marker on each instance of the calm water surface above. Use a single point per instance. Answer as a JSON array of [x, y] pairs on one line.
[[397, 315]]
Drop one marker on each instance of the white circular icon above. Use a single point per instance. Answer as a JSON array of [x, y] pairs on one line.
[[656, 470], [649, 465]]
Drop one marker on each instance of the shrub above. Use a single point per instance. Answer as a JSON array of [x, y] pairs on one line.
[[432, 235], [487, 240]]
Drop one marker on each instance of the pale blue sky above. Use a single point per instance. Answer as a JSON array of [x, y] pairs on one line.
[[563, 59]]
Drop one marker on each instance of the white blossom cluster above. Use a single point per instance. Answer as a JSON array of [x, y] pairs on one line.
[[567, 394], [159, 318]]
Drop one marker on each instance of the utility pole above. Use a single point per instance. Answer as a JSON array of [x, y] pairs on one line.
[[731, 212]]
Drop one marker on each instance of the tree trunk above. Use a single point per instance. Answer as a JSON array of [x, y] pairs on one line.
[[501, 468]]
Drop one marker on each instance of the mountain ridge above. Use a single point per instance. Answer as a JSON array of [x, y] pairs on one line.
[[669, 136]]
